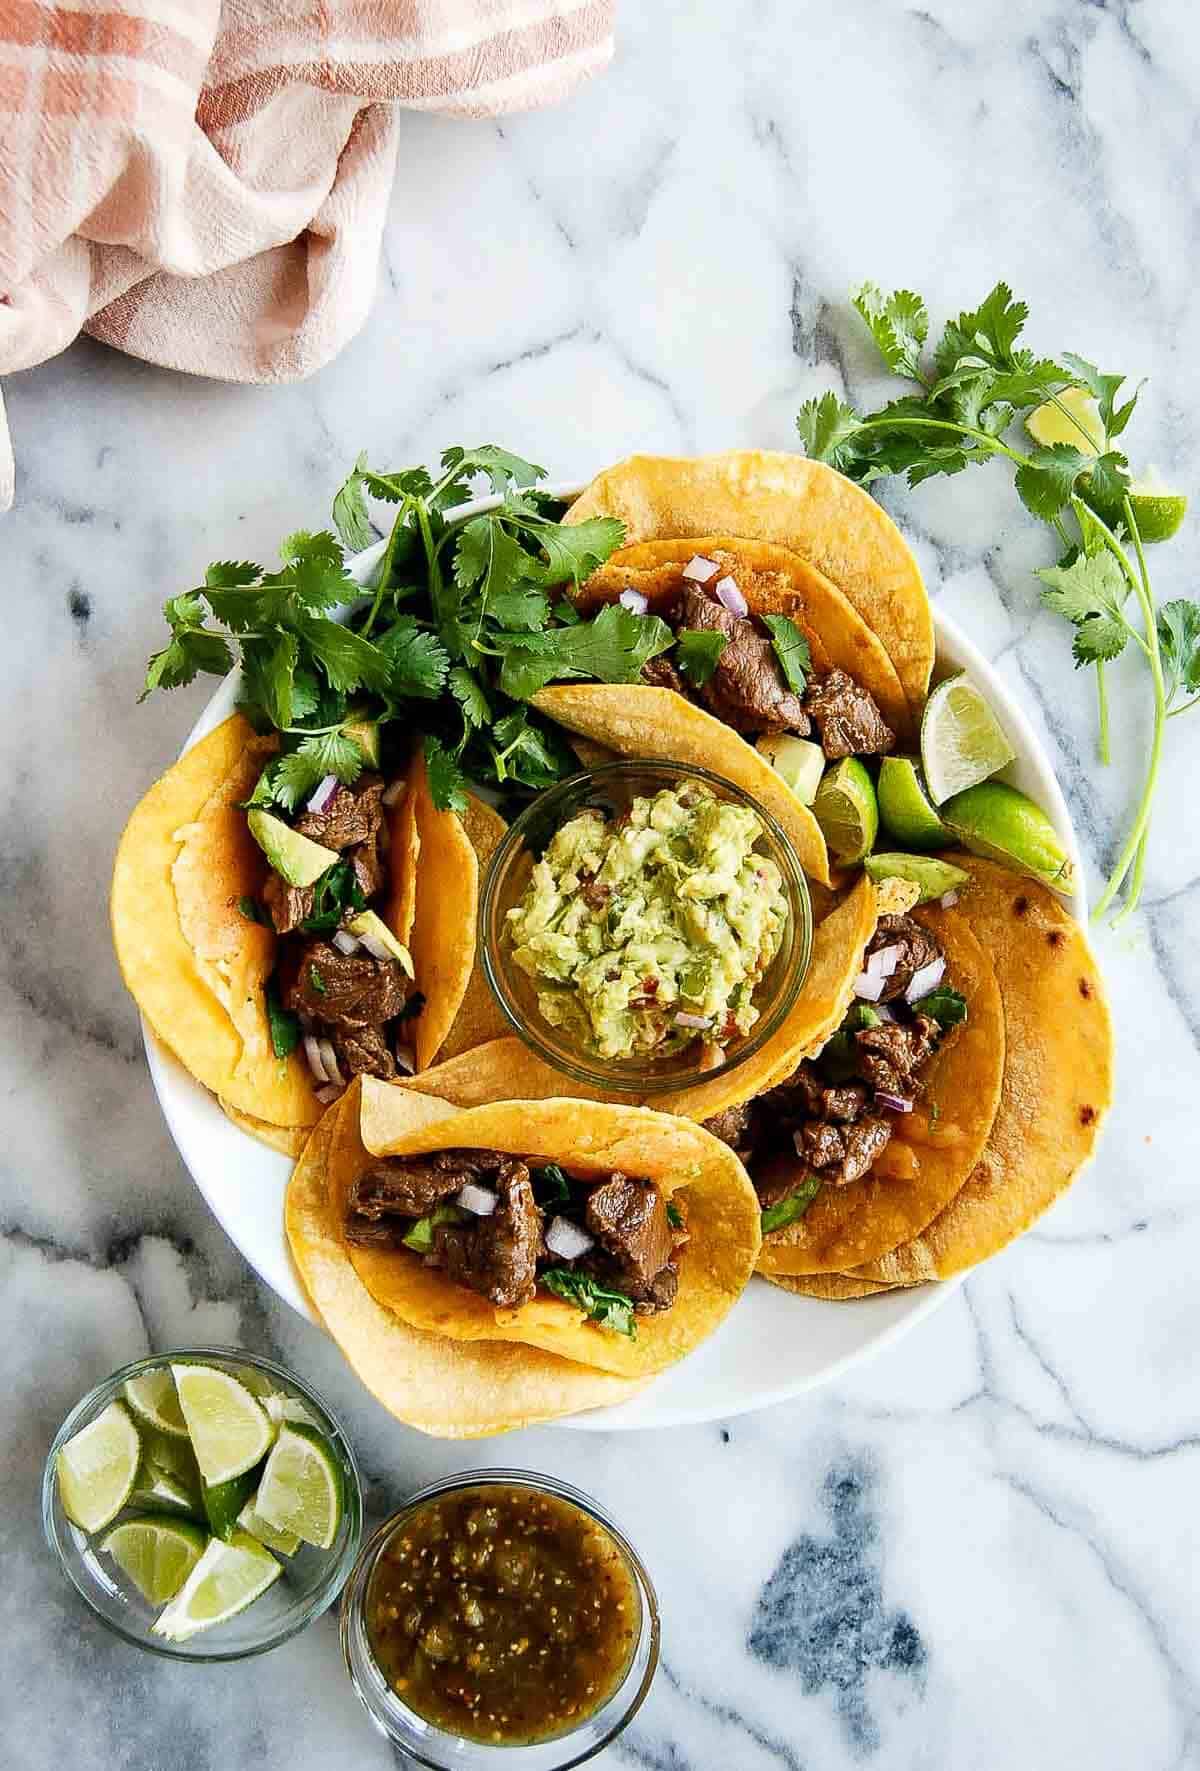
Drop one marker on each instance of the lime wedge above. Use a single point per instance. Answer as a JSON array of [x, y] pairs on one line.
[[301, 1487], [156, 1490], [156, 1554], [998, 822], [227, 1578], [153, 1400], [280, 1408], [905, 808], [229, 1431], [847, 811], [1074, 419], [933, 878], [1157, 511], [800, 762], [98, 1467], [962, 741], [286, 1542], [223, 1501]]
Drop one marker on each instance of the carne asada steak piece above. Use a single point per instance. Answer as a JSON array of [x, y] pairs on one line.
[[660, 673], [497, 1255], [363, 1051], [805, 1095], [340, 989], [287, 905], [917, 949], [370, 870], [846, 717], [843, 1153], [747, 690], [735, 1127], [402, 1187], [890, 1054], [629, 1220], [351, 815]]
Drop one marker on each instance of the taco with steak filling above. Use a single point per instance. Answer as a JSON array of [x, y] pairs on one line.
[[612, 1236], [281, 955]]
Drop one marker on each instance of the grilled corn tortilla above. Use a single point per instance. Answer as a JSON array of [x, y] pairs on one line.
[[774, 581], [636, 720], [451, 1389], [442, 934], [932, 1150], [767, 495], [479, 1018], [1057, 1085], [828, 1287], [586, 1137]]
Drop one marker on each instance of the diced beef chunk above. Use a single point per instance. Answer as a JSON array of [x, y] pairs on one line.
[[404, 1187], [777, 1177], [843, 1153], [660, 1294], [498, 1255], [917, 949], [846, 717], [660, 673], [287, 905], [890, 1054], [747, 690], [629, 1220], [352, 815], [806, 1095], [370, 869], [363, 1051], [734, 1126], [341, 989]]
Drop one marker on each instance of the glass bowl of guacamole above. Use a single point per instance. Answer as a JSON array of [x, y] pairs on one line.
[[644, 925], [500, 1614]]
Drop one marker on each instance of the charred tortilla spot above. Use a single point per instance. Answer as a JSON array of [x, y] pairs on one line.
[[1055, 937], [1087, 1115], [1085, 989], [1021, 905]]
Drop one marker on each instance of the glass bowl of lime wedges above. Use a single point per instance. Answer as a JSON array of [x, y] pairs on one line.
[[206, 1504]]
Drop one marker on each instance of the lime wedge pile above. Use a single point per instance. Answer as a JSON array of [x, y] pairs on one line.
[[196, 1477]]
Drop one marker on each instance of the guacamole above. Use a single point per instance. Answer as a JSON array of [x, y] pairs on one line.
[[648, 932]]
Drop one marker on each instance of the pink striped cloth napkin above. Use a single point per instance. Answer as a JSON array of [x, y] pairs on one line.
[[204, 184]]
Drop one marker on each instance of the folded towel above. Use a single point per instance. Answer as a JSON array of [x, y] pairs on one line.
[[205, 185]]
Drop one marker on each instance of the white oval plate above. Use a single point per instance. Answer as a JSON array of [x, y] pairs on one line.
[[810, 1342]]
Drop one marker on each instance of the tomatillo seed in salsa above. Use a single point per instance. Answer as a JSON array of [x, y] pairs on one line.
[[502, 1614]]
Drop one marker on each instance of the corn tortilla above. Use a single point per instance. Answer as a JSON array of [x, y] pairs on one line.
[[450, 1389], [442, 938], [768, 495], [828, 1287], [588, 1137], [479, 1018]]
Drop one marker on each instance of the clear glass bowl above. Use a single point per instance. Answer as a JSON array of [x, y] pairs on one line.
[[311, 1579], [612, 787], [438, 1751]]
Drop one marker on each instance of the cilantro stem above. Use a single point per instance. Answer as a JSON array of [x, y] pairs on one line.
[[1176, 711], [385, 567], [1103, 747], [1140, 584], [902, 421], [436, 582], [1136, 878]]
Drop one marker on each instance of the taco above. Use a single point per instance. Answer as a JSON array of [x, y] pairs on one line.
[[264, 952], [479, 1019], [450, 1388], [609, 1235], [765, 495]]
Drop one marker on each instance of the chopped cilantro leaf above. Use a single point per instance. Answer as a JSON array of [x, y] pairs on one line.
[[317, 981], [790, 1210], [674, 1216], [699, 652], [945, 1006], [550, 1184], [284, 1026], [791, 649], [610, 1309]]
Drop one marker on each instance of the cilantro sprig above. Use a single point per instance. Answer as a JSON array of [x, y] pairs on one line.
[[465, 623], [962, 408]]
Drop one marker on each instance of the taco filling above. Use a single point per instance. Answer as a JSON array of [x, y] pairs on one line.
[[507, 1227], [756, 672], [831, 1122], [341, 986]]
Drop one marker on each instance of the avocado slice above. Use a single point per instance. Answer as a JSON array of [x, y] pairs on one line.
[[296, 858], [375, 929], [798, 760], [365, 733]]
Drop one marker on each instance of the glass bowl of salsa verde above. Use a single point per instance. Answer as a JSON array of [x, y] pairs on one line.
[[500, 1609], [644, 924], [192, 1568]]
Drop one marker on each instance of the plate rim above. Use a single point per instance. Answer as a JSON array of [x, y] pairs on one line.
[[173, 1085]]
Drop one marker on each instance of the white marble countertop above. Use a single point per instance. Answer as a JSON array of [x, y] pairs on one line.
[[981, 1550]]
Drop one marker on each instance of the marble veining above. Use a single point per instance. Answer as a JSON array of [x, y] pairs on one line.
[[981, 1552]]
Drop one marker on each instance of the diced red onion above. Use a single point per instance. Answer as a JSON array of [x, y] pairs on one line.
[[331, 1092], [884, 1012], [927, 979], [884, 963], [395, 791], [797, 1144], [479, 1201], [329, 1059], [375, 947], [344, 941], [700, 570], [635, 601], [730, 597], [868, 988], [567, 1240], [326, 788], [406, 1060], [712, 1055], [312, 1052], [683, 1019], [948, 900], [896, 1103]]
